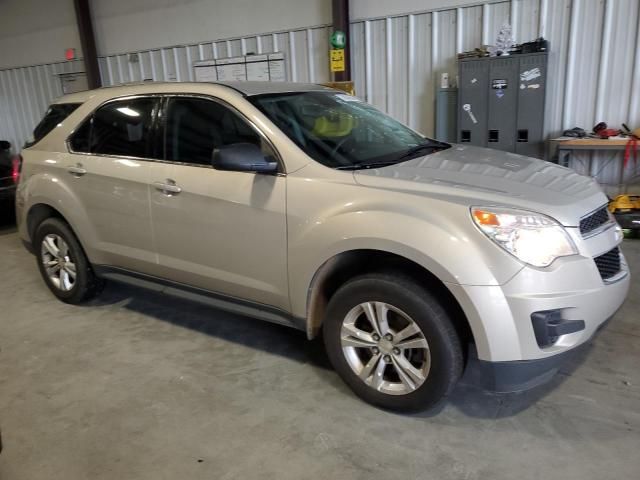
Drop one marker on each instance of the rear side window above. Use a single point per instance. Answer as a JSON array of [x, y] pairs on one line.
[[55, 114], [121, 128]]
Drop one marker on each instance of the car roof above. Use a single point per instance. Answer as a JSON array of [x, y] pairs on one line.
[[244, 88], [260, 88]]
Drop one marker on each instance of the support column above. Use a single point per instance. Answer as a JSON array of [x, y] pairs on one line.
[[340, 10], [88, 43]]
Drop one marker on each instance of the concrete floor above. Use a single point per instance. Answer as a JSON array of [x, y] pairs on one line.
[[139, 386]]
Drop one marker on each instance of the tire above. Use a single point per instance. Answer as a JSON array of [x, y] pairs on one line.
[[437, 365], [68, 288]]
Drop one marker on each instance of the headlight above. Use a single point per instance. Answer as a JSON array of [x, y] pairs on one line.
[[531, 237]]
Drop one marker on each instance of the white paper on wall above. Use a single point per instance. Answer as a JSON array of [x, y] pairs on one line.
[[205, 71], [266, 67]]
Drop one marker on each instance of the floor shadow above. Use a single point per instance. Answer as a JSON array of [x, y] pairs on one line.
[[467, 397], [476, 402], [253, 333]]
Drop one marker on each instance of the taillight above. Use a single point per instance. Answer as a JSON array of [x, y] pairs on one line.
[[16, 166]]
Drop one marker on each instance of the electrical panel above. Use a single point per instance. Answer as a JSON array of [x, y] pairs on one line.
[[501, 102]]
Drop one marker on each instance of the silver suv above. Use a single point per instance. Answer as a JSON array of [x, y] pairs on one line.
[[304, 206]]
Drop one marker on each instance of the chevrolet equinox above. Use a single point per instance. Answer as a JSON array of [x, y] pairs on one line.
[[302, 205]]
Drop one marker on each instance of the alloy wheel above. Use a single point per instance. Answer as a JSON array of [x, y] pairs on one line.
[[58, 264], [385, 348]]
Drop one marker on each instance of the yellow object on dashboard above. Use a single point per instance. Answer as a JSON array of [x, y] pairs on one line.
[[340, 126]]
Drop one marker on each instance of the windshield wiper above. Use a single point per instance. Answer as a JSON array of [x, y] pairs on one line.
[[362, 166], [435, 146], [431, 145]]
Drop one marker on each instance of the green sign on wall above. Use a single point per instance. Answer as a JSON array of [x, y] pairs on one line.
[[338, 39]]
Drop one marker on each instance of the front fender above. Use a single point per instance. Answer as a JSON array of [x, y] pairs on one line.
[[449, 247]]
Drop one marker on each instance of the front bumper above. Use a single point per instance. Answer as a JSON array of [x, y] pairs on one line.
[[508, 351], [520, 375]]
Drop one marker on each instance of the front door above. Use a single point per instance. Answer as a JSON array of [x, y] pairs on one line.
[[218, 230]]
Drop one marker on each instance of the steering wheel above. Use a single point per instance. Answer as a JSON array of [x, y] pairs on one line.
[[342, 142]]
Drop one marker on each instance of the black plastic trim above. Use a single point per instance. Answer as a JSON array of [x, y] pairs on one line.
[[548, 326], [213, 299], [520, 375]]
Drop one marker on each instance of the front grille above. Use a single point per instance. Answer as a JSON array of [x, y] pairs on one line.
[[609, 263], [594, 220]]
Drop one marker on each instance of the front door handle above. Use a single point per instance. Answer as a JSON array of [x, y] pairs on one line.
[[168, 187], [77, 170]]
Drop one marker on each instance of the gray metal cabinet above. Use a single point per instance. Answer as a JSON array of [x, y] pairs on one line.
[[472, 102], [446, 114], [531, 97], [501, 102]]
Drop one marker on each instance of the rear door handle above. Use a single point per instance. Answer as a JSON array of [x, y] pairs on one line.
[[77, 170], [167, 187]]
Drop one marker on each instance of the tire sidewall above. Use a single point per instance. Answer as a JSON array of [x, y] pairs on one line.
[[444, 344], [80, 287]]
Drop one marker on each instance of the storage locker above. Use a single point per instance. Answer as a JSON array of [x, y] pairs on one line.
[[531, 99], [472, 101], [502, 103]]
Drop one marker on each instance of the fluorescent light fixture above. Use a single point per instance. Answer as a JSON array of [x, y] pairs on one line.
[[128, 111]]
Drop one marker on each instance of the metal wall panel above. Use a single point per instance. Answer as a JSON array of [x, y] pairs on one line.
[[26, 92], [594, 65], [306, 53], [591, 77]]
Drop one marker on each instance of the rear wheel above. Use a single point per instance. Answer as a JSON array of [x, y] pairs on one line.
[[63, 264], [392, 342]]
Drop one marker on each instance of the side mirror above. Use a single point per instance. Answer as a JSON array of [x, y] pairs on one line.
[[242, 157]]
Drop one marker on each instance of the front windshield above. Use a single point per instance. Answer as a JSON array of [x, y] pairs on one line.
[[340, 131]]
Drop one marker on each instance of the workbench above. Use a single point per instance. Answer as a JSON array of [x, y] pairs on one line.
[[567, 145]]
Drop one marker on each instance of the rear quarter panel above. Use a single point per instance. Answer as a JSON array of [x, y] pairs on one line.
[[44, 182]]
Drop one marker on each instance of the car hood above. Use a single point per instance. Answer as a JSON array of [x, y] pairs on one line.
[[481, 176]]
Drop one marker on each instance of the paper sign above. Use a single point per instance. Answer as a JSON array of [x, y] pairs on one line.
[[262, 67], [337, 60]]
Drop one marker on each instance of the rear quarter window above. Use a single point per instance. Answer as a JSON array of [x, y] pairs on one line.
[[120, 128], [56, 114]]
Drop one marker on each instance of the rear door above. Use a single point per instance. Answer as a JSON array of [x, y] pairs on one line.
[[224, 231], [114, 163]]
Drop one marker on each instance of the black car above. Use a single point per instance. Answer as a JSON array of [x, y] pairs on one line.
[[9, 173]]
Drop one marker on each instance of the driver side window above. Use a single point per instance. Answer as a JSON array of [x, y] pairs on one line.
[[197, 126]]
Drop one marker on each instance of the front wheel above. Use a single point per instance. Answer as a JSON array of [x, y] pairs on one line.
[[392, 342]]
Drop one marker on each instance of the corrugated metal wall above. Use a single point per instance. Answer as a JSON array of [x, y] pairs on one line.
[[594, 65], [306, 53], [25, 94]]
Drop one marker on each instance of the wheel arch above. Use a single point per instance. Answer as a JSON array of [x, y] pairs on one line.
[[47, 196], [37, 214], [340, 268]]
